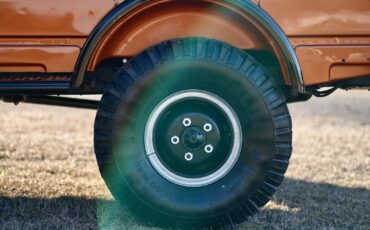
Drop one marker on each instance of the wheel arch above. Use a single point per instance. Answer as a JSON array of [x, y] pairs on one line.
[[129, 24]]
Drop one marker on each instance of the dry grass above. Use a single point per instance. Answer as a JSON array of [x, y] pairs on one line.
[[49, 178]]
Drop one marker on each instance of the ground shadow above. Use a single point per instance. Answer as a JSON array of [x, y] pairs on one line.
[[304, 205], [298, 204]]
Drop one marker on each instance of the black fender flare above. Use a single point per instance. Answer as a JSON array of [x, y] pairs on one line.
[[248, 7]]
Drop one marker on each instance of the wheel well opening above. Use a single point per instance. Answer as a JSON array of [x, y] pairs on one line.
[[157, 21], [107, 68]]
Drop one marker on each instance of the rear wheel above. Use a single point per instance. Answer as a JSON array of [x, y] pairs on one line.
[[193, 133]]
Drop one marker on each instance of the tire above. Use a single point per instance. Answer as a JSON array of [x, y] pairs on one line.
[[150, 102]]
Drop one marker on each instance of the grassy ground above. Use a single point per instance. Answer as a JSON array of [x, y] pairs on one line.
[[49, 178]]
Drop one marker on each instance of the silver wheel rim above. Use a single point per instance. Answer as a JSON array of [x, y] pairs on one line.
[[200, 181]]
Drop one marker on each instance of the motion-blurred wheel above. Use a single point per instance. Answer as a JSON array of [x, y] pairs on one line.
[[193, 133]]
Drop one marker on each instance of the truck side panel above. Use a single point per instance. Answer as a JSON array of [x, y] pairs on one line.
[[320, 17], [47, 35], [38, 58], [66, 18], [331, 37]]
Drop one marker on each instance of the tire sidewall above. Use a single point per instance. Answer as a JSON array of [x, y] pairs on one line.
[[161, 195]]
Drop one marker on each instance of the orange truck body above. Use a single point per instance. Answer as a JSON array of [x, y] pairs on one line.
[[193, 128], [330, 38]]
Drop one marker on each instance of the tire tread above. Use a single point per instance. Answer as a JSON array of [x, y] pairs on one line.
[[222, 53]]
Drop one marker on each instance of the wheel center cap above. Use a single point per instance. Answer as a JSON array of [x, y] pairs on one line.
[[193, 138]]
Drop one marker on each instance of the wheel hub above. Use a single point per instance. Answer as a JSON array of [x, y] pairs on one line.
[[193, 138]]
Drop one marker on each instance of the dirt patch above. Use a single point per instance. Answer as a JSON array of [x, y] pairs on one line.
[[49, 177]]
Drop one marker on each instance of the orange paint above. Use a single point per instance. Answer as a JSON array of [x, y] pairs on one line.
[[38, 58], [46, 18], [320, 17], [330, 63]]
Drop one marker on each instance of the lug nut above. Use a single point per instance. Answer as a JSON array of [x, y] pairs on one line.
[[175, 140], [186, 122], [207, 127], [208, 148], [189, 156]]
